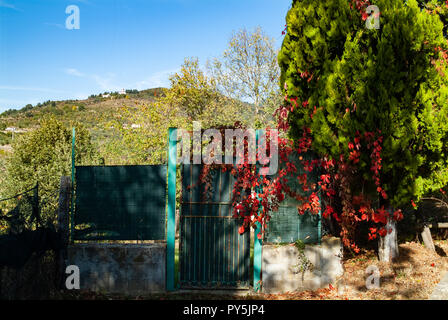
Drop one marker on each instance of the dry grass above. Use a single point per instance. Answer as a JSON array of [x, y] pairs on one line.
[[412, 276]]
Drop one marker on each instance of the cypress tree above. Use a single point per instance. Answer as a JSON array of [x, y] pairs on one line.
[[350, 80]]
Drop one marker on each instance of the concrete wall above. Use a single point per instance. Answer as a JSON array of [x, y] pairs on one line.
[[281, 266], [120, 268]]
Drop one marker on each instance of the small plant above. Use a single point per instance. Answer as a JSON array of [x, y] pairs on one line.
[[304, 263], [401, 273]]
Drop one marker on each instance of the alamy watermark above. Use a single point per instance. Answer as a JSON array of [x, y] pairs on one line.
[[373, 279], [210, 147], [72, 281], [73, 20], [373, 21]]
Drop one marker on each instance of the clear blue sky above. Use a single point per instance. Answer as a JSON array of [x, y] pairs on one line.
[[130, 44]]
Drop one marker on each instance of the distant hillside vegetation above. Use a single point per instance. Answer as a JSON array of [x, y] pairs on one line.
[[91, 111]]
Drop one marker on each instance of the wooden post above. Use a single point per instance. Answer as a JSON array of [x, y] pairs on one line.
[[388, 245], [427, 239], [63, 225], [171, 209]]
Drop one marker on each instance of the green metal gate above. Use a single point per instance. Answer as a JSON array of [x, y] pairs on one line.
[[212, 252]]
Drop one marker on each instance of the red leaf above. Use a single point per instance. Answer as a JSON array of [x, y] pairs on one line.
[[382, 232], [398, 215]]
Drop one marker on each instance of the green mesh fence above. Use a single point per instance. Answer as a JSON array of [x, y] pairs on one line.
[[20, 212], [120, 203], [286, 225]]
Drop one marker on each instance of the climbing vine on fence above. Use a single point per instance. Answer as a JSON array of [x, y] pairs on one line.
[[371, 105]]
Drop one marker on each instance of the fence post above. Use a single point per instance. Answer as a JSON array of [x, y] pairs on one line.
[[427, 239], [63, 225], [36, 206], [258, 245], [257, 258], [171, 208]]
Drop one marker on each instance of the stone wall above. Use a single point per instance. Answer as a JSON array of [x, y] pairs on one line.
[[120, 268], [285, 268]]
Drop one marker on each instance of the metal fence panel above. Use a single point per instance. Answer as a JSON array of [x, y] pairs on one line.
[[120, 203], [286, 225]]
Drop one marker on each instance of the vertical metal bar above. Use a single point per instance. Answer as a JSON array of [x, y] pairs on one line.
[[214, 264], [201, 250], [190, 267], [181, 249], [219, 251], [181, 234], [205, 257], [227, 248], [257, 258], [171, 208], [217, 241], [235, 255], [223, 250], [238, 259], [196, 236], [36, 207], [257, 243], [72, 204], [247, 259], [319, 223]]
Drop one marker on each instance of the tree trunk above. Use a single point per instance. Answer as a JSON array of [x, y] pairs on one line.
[[388, 245]]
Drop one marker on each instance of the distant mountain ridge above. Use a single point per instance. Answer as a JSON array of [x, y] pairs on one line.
[[147, 94], [90, 111]]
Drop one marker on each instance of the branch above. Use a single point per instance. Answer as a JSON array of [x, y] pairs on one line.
[[436, 199]]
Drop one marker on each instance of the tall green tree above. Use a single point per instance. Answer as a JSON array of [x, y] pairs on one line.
[[390, 81], [43, 156]]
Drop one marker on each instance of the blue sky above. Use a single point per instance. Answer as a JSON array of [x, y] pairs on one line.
[[130, 44]]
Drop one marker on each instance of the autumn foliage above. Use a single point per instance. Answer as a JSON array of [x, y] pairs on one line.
[[369, 105]]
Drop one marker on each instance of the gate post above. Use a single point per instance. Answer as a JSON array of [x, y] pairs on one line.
[[258, 245], [171, 208]]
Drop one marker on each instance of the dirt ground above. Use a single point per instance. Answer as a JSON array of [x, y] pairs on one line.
[[412, 276]]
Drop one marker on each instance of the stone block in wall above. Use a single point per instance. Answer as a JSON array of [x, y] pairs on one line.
[[120, 268], [285, 268]]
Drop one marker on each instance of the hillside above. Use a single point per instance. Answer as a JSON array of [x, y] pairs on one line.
[[91, 112], [95, 113]]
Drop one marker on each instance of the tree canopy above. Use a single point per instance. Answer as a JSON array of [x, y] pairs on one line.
[[347, 83], [44, 155]]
